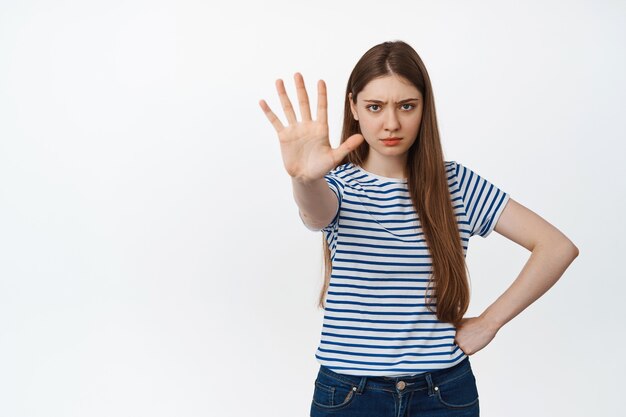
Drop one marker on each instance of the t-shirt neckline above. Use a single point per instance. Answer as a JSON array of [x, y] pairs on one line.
[[380, 177]]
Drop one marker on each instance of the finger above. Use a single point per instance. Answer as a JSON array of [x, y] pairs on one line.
[[286, 103], [459, 346], [322, 102], [303, 97], [347, 146], [275, 121]]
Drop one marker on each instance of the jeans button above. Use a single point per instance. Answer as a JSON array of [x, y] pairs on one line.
[[401, 385]]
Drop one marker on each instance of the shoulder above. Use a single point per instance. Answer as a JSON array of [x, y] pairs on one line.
[[451, 166], [344, 173], [341, 169], [452, 171], [459, 171]]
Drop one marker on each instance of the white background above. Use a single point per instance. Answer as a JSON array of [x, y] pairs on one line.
[[152, 261]]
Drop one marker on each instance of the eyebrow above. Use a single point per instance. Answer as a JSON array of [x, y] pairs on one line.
[[397, 102]]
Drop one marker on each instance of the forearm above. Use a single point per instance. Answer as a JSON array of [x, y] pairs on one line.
[[546, 264], [316, 202]]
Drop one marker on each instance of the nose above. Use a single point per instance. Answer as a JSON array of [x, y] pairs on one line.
[[391, 121]]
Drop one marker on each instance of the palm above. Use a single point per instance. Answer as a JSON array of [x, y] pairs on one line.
[[306, 149], [305, 145]]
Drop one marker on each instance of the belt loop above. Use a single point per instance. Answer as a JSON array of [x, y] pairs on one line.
[[362, 383], [429, 379]]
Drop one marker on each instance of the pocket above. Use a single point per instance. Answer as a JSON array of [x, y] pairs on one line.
[[331, 393], [460, 392]]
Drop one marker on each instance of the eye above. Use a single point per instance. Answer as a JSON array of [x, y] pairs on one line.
[[411, 106], [370, 108]]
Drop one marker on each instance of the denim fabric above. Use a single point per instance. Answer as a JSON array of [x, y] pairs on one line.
[[440, 393]]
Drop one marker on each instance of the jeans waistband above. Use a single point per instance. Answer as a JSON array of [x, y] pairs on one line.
[[427, 380]]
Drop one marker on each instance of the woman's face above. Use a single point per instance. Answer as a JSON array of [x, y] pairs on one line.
[[389, 106]]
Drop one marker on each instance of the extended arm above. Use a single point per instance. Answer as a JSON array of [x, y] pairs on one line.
[[316, 202], [307, 154]]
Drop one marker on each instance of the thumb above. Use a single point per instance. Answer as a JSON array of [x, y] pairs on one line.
[[348, 146]]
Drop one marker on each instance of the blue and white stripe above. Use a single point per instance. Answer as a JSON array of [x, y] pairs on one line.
[[376, 322]]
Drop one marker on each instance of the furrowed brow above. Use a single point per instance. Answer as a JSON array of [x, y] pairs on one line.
[[397, 102]]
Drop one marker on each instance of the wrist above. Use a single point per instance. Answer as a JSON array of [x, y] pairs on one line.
[[491, 320]]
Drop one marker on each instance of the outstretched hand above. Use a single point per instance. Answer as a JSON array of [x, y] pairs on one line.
[[473, 334], [305, 146]]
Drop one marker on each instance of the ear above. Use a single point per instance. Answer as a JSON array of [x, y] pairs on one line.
[[353, 107]]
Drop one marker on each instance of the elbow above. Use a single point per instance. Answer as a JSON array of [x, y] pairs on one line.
[[561, 247], [575, 251], [570, 253], [309, 223], [569, 250]]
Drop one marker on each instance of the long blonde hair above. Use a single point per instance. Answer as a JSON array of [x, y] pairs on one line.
[[427, 179]]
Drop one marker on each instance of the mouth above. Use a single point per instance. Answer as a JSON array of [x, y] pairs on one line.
[[391, 141]]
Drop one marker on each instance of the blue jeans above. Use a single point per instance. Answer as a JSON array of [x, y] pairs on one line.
[[441, 393]]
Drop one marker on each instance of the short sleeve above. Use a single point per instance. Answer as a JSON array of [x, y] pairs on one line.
[[483, 201], [336, 185]]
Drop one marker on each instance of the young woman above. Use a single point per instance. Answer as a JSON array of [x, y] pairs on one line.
[[396, 221]]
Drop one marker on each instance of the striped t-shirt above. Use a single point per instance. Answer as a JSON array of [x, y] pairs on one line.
[[376, 322]]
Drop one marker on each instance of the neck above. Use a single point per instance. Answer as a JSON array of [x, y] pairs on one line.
[[386, 166]]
